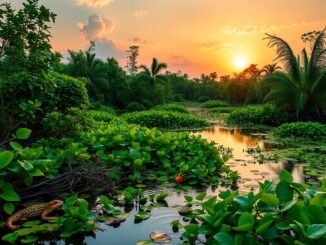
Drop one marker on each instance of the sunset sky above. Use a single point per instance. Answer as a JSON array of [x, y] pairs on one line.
[[194, 36]]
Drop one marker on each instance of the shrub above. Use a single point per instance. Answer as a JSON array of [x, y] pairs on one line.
[[99, 107], [202, 99], [178, 97], [307, 130], [68, 92], [287, 214], [71, 124], [221, 110], [215, 103], [259, 115], [135, 106], [172, 107], [27, 100], [100, 116], [165, 119]]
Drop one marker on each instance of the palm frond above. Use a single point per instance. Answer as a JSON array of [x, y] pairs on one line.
[[160, 67], [145, 69], [284, 54], [318, 54], [154, 67]]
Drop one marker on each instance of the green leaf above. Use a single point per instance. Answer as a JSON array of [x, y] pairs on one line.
[[29, 239], [285, 175], [161, 197], [15, 145], [66, 234], [284, 191], [201, 196], [243, 201], [288, 205], [316, 231], [5, 158], [270, 199], [245, 222], [23, 133], [10, 196], [9, 208], [263, 225], [192, 229], [224, 238], [36, 172], [26, 165], [188, 198], [11, 237], [31, 223]]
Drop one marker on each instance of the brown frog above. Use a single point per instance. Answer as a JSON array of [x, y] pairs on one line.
[[42, 209]]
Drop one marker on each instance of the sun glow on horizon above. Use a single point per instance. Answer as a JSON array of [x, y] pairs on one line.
[[240, 62]]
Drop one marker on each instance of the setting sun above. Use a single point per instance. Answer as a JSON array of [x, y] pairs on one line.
[[240, 62]]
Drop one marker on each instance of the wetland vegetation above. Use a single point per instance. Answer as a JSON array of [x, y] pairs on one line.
[[247, 167]]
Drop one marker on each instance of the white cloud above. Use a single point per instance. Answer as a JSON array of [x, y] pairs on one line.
[[97, 27], [220, 46], [93, 3], [105, 48], [140, 13]]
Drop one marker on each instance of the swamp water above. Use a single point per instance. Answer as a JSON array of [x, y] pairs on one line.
[[251, 172]]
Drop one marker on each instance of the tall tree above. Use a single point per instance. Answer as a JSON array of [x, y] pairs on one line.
[[152, 74], [85, 64], [303, 84], [133, 53], [25, 59]]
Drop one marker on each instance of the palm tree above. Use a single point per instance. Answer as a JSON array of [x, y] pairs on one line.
[[270, 68], [303, 84], [153, 74], [85, 64]]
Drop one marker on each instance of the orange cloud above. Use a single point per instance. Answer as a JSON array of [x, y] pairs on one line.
[[93, 3], [250, 29]]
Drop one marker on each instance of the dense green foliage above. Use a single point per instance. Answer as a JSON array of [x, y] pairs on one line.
[[100, 116], [20, 166], [307, 130], [287, 214], [59, 124], [258, 114], [67, 92], [221, 110], [99, 107], [165, 119], [134, 148], [172, 107], [25, 59], [215, 104]]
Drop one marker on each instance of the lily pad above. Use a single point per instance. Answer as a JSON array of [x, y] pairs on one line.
[[160, 237], [142, 215]]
